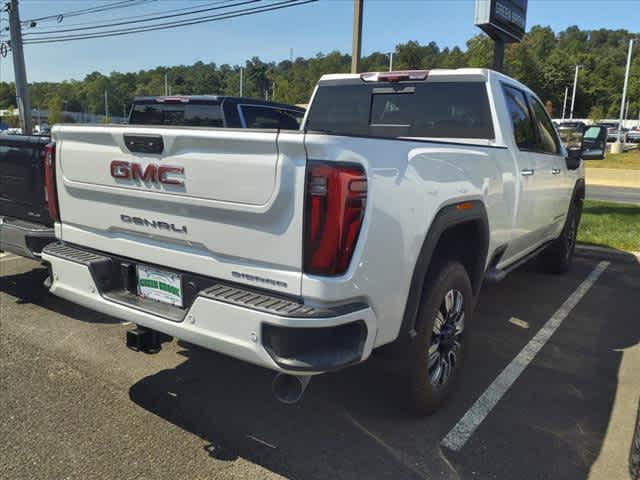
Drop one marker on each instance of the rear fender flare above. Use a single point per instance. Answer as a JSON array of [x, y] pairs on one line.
[[448, 217]]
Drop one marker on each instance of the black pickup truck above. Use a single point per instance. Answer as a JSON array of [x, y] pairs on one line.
[[25, 222]]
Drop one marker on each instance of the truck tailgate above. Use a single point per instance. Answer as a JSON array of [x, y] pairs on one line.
[[22, 178], [218, 202]]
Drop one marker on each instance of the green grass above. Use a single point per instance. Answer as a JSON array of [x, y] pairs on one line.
[[614, 225], [628, 160]]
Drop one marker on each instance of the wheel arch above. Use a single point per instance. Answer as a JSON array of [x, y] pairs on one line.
[[579, 192], [450, 230]]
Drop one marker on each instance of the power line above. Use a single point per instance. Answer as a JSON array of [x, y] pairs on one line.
[[132, 17], [86, 11], [149, 19], [169, 25]]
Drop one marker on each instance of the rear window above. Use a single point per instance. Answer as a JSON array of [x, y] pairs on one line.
[[439, 110], [178, 114]]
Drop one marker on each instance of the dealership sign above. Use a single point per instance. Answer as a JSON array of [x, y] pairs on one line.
[[504, 20]]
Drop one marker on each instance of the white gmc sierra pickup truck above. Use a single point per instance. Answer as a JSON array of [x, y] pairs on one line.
[[303, 251]]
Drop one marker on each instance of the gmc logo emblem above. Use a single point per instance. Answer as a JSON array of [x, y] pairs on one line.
[[164, 174]]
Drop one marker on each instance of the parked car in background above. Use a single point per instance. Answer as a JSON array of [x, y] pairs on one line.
[[578, 127], [25, 221], [214, 111], [303, 251], [613, 129], [571, 133], [633, 135]]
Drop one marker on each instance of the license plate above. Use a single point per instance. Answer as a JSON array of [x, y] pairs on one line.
[[160, 285]]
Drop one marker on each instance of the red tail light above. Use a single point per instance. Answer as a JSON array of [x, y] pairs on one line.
[[335, 203], [50, 193]]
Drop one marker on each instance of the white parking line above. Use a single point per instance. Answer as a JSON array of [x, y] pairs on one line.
[[462, 431]]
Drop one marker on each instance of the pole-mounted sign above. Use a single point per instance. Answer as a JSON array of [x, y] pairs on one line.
[[503, 20]]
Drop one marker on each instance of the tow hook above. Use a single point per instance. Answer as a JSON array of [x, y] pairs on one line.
[[141, 339]]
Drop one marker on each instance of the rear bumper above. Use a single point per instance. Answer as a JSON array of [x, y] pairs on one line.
[[234, 320], [23, 238]]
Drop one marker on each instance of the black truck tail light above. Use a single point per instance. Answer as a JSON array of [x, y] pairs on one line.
[[50, 193], [335, 202]]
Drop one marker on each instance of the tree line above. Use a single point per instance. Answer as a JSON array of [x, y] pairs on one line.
[[544, 61]]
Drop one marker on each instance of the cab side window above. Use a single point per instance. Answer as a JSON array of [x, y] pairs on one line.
[[547, 141], [523, 126]]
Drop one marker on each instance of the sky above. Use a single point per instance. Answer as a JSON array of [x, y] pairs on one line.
[[323, 26]]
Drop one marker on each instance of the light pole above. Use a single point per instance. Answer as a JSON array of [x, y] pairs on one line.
[[575, 86], [624, 89], [564, 105], [356, 45], [391, 61]]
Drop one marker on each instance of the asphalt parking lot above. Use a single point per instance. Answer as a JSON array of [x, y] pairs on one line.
[[77, 404]]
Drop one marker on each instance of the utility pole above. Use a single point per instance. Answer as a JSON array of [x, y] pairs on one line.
[[391, 62], [106, 105], [575, 86], [20, 73], [564, 106], [241, 81], [624, 92], [356, 47], [166, 85]]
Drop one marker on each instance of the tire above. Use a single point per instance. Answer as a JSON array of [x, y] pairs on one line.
[[435, 357], [558, 257]]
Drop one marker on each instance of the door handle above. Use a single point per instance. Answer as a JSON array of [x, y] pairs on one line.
[[527, 172], [555, 171]]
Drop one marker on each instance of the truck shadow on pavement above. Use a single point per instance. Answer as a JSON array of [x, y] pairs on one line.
[[230, 406], [351, 424], [28, 288]]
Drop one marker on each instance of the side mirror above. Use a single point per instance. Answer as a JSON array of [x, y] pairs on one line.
[[595, 154], [573, 158]]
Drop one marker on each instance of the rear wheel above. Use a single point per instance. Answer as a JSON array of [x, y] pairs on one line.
[[559, 256], [436, 355]]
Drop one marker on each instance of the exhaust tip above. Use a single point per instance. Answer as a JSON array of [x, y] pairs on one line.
[[289, 389]]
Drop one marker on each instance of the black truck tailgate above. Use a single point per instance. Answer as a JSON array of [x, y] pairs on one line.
[[22, 178]]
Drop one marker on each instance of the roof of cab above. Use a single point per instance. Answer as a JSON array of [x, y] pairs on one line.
[[213, 99], [438, 74], [478, 73]]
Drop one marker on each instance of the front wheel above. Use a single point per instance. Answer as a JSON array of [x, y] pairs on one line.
[[436, 355]]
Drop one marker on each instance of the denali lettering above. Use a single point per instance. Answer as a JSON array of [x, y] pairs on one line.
[[143, 222], [164, 174]]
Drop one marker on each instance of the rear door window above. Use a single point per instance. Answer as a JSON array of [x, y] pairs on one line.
[[523, 127], [431, 109], [256, 116]]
